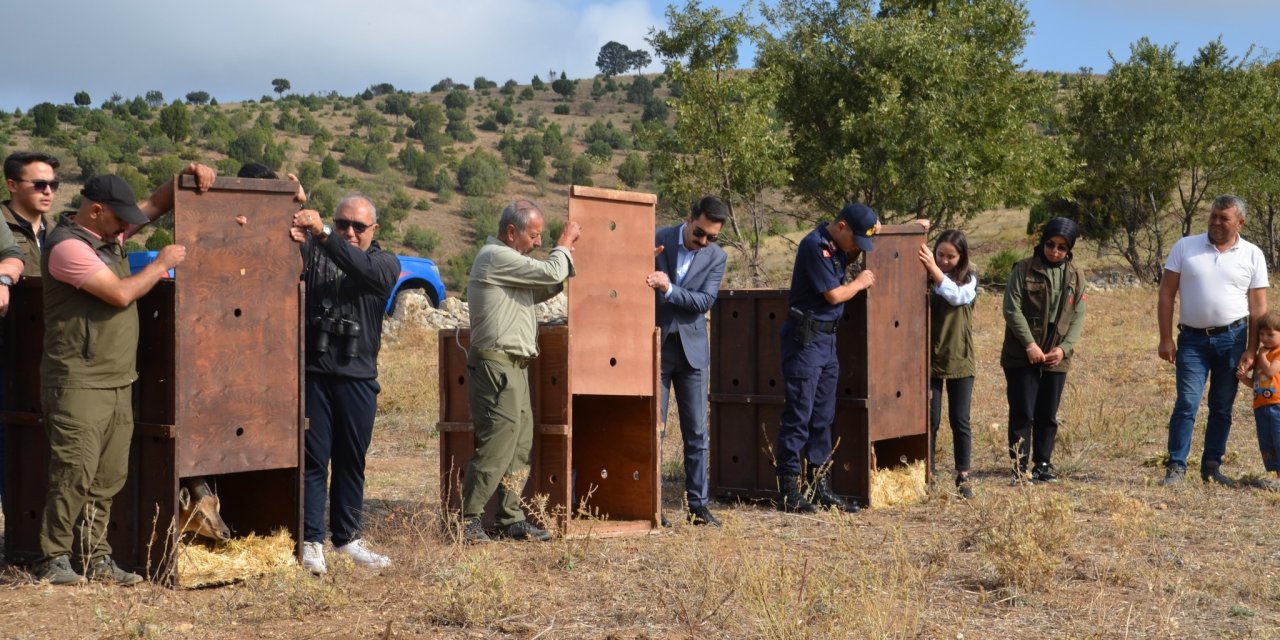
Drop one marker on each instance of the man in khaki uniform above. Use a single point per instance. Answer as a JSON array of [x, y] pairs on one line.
[[503, 286], [89, 365]]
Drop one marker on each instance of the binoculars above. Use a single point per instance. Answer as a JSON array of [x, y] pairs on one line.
[[328, 326]]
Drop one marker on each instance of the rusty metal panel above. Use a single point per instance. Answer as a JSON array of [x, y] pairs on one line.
[[611, 310], [897, 326], [237, 362], [453, 345], [751, 321], [153, 391], [549, 377]]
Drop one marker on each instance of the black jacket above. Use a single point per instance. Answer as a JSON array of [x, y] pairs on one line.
[[346, 287]]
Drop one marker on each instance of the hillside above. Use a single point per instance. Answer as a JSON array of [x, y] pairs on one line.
[[380, 141]]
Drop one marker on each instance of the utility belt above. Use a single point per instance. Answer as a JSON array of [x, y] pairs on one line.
[[492, 355], [806, 328], [1212, 331]]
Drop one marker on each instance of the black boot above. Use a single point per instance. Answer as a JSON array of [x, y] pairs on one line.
[[789, 497], [826, 497], [1211, 472]]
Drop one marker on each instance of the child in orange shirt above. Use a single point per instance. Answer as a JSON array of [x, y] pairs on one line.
[[1266, 394]]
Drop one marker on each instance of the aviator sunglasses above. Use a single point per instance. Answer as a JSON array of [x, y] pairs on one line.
[[699, 233]]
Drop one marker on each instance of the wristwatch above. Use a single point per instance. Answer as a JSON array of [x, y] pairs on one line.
[[6, 281], [324, 233]]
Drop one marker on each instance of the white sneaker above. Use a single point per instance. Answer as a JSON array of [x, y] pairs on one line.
[[363, 556], [313, 557]]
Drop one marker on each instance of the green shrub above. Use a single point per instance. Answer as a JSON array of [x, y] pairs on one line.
[[999, 266], [159, 239]]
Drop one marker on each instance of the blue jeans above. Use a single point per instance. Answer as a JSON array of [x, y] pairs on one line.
[[1201, 358], [1268, 420]]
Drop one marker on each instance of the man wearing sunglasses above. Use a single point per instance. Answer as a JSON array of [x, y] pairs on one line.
[[29, 179], [32, 184], [689, 266], [348, 279]]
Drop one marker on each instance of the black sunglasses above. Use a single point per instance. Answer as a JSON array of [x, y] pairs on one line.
[[343, 225], [1054, 246], [699, 233], [41, 185]]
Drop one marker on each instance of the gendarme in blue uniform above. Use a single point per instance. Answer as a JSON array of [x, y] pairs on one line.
[[810, 370]]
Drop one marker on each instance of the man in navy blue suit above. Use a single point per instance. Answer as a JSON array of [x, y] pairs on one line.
[[687, 280]]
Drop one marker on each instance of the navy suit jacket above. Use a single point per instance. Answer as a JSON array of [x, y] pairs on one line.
[[685, 311]]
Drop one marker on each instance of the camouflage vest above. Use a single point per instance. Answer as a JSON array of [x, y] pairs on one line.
[[88, 344]]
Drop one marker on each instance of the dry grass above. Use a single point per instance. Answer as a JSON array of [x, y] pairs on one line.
[[1106, 553]]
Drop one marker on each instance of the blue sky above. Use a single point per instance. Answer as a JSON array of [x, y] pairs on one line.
[[235, 48]]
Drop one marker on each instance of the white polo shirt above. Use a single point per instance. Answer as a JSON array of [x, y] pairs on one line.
[[1214, 286]]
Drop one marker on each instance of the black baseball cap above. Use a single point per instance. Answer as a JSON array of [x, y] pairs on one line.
[[862, 221], [114, 192]]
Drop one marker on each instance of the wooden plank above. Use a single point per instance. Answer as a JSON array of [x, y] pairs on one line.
[[611, 310], [240, 278], [580, 191], [897, 329]]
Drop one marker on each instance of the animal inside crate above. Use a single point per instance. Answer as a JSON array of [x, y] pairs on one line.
[[219, 388], [593, 386], [882, 401]]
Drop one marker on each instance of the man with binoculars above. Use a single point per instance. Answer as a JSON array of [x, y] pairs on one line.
[[348, 280]]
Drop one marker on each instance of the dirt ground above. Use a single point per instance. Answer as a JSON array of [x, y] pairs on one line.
[[1104, 553]]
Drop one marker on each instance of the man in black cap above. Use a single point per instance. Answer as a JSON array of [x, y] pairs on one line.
[[88, 369], [809, 364]]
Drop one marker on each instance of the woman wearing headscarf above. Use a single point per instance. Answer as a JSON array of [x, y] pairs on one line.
[[1044, 318]]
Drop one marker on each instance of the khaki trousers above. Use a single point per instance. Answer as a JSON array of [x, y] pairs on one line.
[[503, 419], [89, 434]]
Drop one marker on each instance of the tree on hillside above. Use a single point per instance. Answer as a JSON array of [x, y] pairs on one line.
[[638, 60], [45, 115], [175, 122], [481, 174], [1213, 117], [198, 97], [614, 59], [916, 108], [280, 85], [726, 140], [565, 87], [396, 104], [1122, 132], [154, 98], [82, 99], [1258, 179]]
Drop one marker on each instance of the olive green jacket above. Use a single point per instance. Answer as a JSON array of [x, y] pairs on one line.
[[1043, 304]]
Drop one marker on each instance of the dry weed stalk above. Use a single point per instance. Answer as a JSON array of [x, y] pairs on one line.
[[1023, 537]]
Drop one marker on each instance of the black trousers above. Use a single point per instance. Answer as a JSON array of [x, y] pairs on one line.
[[1034, 396], [960, 399], [341, 412]]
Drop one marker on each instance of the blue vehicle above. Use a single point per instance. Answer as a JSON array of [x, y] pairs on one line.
[[415, 273]]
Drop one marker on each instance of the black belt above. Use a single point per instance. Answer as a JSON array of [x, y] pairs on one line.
[[1212, 331], [816, 325]]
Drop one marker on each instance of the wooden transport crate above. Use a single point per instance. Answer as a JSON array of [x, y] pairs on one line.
[[219, 388], [882, 406], [594, 385]]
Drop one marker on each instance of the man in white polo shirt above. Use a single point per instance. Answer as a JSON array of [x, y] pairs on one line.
[[1222, 279]]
